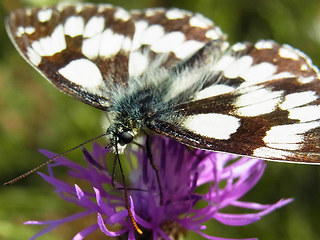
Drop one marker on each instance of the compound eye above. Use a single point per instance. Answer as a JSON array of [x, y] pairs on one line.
[[125, 138]]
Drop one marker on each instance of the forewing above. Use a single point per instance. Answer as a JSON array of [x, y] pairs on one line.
[[54, 40], [175, 33], [264, 104], [85, 50]]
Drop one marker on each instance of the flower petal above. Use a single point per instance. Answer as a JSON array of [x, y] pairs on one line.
[[85, 232], [104, 229]]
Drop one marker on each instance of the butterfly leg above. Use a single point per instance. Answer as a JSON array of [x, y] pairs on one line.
[[149, 152], [125, 190], [113, 174]]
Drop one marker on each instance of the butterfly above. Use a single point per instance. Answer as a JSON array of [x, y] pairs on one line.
[[172, 72]]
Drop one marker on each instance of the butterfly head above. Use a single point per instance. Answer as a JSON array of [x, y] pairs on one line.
[[121, 131], [125, 137], [119, 139]]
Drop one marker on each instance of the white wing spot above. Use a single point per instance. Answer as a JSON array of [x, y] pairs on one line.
[[305, 114], [48, 46], [138, 63], [173, 14], [304, 67], [111, 43], [187, 48], [90, 46], [224, 46], [264, 45], [122, 14], [197, 21], [239, 47], [258, 73], [44, 15], [29, 30], [256, 94], [284, 133], [37, 46], [293, 100], [257, 102], [28, 12], [213, 90], [152, 34], [20, 31], [33, 56], [258, 108], [288, 137], [202, 22], [282, 141], [169, 42], [281, 76], [137, 37], [94, 26], [58, 39], [83, 72], [213, 34], [126, 44], [305, 80], [103, 6], [286, 52], [79, 8], [74, 26], [286, 146], [265, 152], [213, 125], [153, 11], [238, 67]]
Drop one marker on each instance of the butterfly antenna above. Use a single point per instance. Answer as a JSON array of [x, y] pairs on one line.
[[125, 190], [50, 161]]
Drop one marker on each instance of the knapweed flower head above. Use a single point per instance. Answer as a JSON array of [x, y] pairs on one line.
[[222, 178]]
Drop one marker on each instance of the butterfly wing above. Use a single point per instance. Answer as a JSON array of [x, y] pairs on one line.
[[85, 50], [263, 102]]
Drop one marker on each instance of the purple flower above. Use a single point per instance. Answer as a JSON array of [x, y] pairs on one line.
[[182, 171]]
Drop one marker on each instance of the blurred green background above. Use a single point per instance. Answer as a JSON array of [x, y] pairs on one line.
[[35, 115]]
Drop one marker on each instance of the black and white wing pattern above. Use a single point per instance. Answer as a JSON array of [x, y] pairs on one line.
[[260, 100], [85, 49]]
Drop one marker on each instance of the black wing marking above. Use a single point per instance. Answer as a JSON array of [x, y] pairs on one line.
[[85, 50], [268, 106]]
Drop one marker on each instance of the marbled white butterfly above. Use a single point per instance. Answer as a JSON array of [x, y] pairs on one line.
[[172, 72]]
